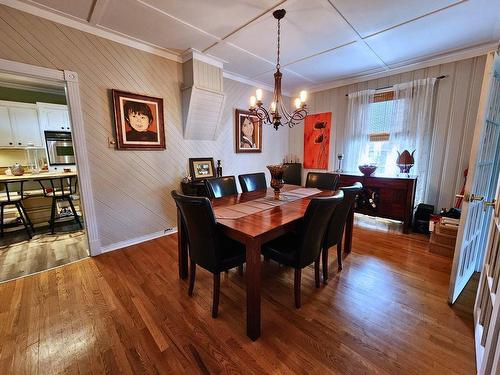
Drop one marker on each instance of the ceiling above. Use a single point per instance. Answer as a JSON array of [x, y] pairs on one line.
[[322, 40]]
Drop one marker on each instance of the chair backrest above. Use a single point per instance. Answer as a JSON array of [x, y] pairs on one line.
[[339, 217], [11, 191], [198, 220], [64, 186], [252, 181], [313, 230], [221, 186], [322, 180]]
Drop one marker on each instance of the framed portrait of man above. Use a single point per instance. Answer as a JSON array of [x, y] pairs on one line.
[[248, 132], [138, 121]]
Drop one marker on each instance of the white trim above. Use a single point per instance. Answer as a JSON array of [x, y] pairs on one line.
[[408, 66], [76, 23], [137, 240], [197, 55]]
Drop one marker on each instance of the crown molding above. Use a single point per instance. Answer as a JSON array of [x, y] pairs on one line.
[[75, 23], [408, 66]]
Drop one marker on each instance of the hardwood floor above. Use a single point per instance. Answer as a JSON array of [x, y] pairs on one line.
[[20, 256], [128, 312]]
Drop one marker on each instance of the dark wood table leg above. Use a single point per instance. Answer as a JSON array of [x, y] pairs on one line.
[[182, 249], [348, 231], [253, 288]]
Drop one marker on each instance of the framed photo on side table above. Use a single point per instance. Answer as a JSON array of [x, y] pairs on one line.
[[248, 132], [138, 121], [201, 168]]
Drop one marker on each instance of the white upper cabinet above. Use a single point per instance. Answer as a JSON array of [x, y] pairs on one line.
[[6, 135], [54, 117], [24, 121]]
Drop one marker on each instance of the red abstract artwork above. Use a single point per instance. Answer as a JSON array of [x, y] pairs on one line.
[[317, 140]]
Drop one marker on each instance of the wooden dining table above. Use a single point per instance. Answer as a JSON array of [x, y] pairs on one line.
[[253, 230]]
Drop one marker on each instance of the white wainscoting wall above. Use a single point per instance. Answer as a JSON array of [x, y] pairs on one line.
[[131, 188], [457, 98]]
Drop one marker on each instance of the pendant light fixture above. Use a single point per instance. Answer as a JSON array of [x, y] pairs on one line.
[[277, 114]]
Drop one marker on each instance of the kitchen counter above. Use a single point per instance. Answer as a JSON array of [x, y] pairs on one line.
[[35, 176]]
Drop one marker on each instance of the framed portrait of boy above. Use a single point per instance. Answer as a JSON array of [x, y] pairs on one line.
[[138, 121], [201, 168], [248, 132]]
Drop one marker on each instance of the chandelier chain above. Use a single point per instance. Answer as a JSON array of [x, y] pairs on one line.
[[278, 59]]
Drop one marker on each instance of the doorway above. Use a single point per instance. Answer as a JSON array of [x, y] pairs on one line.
[[42, 225]]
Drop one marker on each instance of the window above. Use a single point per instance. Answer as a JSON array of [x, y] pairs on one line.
[[380, 148]]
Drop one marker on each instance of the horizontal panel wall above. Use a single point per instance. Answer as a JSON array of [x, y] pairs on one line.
[[131, 188], [457, 99]]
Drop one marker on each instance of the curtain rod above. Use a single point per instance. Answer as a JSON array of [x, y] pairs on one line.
[[388, 87]]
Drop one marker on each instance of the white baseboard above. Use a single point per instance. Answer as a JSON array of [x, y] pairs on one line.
[[137, 240]]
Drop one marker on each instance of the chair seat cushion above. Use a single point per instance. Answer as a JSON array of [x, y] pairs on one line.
[[233, 254], [14, 197], [284, 249]]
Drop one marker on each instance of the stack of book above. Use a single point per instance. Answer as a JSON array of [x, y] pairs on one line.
[[444, 237]]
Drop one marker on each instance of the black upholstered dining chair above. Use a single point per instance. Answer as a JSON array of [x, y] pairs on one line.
[[300, 249], [12, 194], [221, 186], [322, 180], [252, 181], [208, 247], [336, 227]]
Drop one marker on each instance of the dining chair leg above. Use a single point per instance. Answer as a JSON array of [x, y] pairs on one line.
[[324, 255], [339, 255], [23, 220], [53, 216], [296, 286], [316, 271], [215, 305], [240, 270], [75, 214], [192, 277], [27, 217]]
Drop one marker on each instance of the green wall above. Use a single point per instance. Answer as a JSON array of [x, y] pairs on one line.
[[27, 96]]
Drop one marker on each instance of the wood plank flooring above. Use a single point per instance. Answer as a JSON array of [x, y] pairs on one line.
[[20, 256], [127, 312]]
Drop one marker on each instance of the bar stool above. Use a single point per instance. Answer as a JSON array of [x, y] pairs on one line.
[[13, 196], [60, 189]]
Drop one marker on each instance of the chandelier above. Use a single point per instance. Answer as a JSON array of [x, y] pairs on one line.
[[278, 115]]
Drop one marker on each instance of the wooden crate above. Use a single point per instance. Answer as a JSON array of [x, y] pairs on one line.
[[443, 240]]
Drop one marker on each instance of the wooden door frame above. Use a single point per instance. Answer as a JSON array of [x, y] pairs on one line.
[[69, 80]]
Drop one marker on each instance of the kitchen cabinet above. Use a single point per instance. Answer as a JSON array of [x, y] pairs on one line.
[[19, 125], [24, 122], [6, 135], [54, 117]]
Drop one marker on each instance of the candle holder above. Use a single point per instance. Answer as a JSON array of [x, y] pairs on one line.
[[277, 178]]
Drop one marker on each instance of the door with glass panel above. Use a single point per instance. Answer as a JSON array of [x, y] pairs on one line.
[[481, 182]]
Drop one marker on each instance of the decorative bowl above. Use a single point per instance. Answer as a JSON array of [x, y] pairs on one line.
[[17, 169], [367, 169]]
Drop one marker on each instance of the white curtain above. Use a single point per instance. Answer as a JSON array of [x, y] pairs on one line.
[[357, 128], [412, 128]]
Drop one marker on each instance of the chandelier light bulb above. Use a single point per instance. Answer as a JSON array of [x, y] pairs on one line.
[[253, 101], [303, 96], [273, 107], [258, 94], [298, 103]]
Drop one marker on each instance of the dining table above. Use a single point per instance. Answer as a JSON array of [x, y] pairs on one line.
[[254, 218]]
